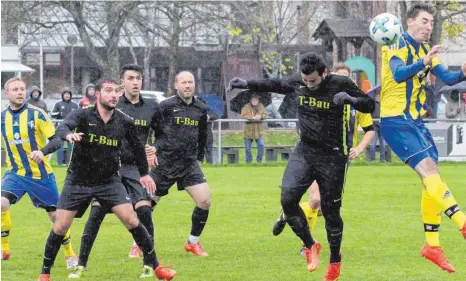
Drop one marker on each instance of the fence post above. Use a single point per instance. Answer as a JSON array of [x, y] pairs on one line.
[[219, 142]]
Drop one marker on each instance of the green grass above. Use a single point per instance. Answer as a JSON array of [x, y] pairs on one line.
[[382, 238]]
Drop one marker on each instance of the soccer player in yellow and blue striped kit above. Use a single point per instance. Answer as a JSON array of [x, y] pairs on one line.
[[25, 129], [404, 71]]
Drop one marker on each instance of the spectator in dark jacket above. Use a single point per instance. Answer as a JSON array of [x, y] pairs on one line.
[[35, 95], [60, 111]]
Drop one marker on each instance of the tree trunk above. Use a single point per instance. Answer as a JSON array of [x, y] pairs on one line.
[[437, 29], [172, 69], [403, 10], [147, 56], [379, 7]]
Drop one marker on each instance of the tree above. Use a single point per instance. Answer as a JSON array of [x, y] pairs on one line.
[[278, 22], [92, 30], [175, 22]]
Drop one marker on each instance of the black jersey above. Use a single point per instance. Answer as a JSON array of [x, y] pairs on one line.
[[322, 123], [96, 158], [184, 135], [146, 115]]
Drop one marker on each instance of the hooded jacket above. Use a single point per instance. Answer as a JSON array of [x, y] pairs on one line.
[[87, 100], [63, 108], [37, 101]]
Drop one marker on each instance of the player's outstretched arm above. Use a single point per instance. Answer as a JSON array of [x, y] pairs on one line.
[[351, 94], [282, 86], [69, 124], [449, 77]]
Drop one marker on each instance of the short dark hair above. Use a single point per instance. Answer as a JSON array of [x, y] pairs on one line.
[[128, 67], [100, 83], [414, 10], [311, 62]]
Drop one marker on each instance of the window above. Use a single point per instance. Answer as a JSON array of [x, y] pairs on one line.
[[32, 58], [52, 59]]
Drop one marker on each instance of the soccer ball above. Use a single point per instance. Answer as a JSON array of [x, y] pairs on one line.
[[386, 29]]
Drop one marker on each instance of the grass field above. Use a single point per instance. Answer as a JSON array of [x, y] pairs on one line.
[[383, 232]]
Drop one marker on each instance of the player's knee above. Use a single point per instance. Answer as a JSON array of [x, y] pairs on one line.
[[333, 220], [290, 201], [315, 203], [5, 204], [60, 228], [204, 203], [131, 222]]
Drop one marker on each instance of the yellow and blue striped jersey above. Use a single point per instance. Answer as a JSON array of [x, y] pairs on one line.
[[405, 96], [404, 76], [356, 119], [25, 131]]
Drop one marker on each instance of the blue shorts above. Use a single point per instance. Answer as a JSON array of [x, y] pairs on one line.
[[43, 192], [409, 139]]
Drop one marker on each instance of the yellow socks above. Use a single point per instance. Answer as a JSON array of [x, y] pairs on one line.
[[6, 227], [67, 244], [431, 217], [311, 215], [439, 192]]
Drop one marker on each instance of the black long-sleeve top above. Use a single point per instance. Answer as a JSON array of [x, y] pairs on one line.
[[96, 158], [146, 115], [322, 123], [184, 135]]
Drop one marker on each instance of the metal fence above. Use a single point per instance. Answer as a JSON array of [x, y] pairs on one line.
[[458, 139]]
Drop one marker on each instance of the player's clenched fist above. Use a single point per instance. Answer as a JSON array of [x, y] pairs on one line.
[[238, 83], [36, 156]]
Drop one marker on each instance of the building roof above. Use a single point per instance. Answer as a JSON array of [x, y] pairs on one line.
[[342, 28]]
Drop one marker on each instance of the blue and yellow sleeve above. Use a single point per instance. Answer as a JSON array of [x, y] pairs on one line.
[[46, 126], [364, 119]]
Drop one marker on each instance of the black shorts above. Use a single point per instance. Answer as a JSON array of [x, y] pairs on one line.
[[77, 197], [307, 165], [164, 182], [130, 178]]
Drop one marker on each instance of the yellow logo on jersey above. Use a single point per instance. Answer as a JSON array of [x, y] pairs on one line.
[[102, 140], [138, 122], [313, 102], [186, 121]]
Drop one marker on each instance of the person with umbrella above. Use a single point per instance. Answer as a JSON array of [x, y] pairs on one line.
[[321, 153], [254, 112]]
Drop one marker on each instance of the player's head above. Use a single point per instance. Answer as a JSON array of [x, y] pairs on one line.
[[341, 69], [254, 100], [107, 93], [420, 20], [15, 90], [185, 84], [313, 70], [131, 79]]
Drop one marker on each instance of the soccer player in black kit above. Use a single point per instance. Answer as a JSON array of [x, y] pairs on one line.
[[321, 153], [179, 151], [146, 115], [97, 133]]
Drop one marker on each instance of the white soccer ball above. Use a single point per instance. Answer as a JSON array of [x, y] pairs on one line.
[[386, 29]]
